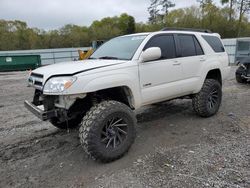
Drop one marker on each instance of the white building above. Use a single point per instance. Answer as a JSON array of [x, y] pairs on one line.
[[237, 48]]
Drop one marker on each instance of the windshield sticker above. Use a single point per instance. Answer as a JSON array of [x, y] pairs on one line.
[[138, 38]]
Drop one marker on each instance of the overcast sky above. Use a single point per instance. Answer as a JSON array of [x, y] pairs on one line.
[[53, 14]]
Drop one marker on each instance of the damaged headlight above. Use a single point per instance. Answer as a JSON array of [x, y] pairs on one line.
[[58, 84]]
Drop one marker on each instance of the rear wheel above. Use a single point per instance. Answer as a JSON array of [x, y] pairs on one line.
[[207, 102], [108, 130]]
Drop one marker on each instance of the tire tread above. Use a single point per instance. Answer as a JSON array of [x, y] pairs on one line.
[[90, 123], [198, 101]]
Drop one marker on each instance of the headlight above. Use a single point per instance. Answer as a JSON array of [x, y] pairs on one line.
[[58, 84]]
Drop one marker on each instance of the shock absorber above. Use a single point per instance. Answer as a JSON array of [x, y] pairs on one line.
[[94, 100]]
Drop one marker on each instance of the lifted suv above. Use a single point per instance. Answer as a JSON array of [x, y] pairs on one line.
[[99, 94]]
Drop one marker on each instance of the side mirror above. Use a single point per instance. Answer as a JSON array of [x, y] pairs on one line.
[[151, 54]]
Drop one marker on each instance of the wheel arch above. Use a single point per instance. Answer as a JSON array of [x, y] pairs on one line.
[[122, 87], [214, 74], [121, 94], [211, 73]]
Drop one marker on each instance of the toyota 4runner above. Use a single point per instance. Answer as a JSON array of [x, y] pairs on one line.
[[128, 72]]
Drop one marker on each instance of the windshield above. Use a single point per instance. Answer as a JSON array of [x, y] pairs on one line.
[[119, 48]]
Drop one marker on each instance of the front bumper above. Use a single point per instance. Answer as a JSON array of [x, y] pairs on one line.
[[41, 114]]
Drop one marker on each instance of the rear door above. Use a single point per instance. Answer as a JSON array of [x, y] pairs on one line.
[[191, 56]]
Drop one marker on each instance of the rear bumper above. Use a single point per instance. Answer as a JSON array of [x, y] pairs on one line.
[[43, 115]]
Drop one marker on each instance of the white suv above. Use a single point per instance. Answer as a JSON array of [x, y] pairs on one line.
[[99, 94]]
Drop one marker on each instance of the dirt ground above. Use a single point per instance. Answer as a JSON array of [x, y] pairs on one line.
[[173, 148]]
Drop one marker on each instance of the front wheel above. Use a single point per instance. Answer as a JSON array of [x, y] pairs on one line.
[[206, 103], [108, 130]]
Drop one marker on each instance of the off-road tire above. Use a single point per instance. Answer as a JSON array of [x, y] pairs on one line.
[[92, 127], [239, 79], [72, 124], [201, 100]]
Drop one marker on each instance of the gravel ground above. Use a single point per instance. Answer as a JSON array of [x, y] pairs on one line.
[[173, 148]]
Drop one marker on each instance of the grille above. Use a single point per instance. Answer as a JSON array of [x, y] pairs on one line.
[[36, 80], [36, 75], [37, 83]]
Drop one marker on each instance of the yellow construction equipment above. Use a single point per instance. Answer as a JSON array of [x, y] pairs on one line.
[[86, 54]]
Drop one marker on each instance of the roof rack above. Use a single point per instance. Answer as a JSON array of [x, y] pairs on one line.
[[186, 29]]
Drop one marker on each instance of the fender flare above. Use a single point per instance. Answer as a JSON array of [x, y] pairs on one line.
[[112, 81], [204, 74]]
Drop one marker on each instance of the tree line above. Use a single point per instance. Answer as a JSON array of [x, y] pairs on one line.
[[16, 35], [230, 19]]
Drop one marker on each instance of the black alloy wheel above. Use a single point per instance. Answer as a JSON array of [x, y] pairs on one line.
[[108, 130], [213, 98], [114, 132]]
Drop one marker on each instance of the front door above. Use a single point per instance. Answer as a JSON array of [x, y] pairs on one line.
[[160, 79]]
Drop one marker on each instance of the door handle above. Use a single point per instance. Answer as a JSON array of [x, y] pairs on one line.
[[176, 63], [202, 59]]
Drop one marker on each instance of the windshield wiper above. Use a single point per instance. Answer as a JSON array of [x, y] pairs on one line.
[[108, 57]]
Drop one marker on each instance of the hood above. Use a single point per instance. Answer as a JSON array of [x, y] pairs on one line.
[[74, 67]]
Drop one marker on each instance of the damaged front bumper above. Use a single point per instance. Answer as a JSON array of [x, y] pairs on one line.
[[39, 112], [46, 107]]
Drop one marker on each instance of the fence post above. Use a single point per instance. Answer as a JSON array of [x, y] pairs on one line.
[[54, 59]]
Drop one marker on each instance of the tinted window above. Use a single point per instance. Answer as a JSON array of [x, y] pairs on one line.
[[214, 42], [198, 48], [165, 43], [187, 45]]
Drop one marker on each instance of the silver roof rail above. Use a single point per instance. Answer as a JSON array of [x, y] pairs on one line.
[[186, 29]]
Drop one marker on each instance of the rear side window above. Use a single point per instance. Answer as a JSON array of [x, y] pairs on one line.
[[199, 50], [166, 43], [215, 43], [189, 46]]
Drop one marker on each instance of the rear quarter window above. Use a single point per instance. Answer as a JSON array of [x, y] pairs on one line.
[[215, 43]]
